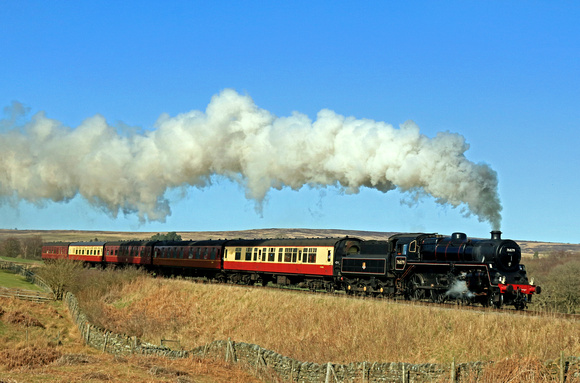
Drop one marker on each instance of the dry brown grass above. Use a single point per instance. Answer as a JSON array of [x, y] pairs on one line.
[[31, 353], [322, 328]]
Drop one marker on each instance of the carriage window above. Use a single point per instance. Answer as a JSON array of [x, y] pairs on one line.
[[271, 254], [191, 253], [310, 255], [248, 254], [198, 253], [294, 254], [255, 254], [212, 256], [280, 255], [287, 255], [300, 256], [238, 253]]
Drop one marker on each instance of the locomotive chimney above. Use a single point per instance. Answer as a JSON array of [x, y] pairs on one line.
[[496, 234]]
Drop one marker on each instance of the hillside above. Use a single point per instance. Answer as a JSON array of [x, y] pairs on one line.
[[528, 247]]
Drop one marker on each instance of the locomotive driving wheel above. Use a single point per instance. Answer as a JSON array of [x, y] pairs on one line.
[[415, 291], [437, 296]]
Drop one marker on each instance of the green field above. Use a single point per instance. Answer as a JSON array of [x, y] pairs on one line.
[[11, 280], [21, 260]]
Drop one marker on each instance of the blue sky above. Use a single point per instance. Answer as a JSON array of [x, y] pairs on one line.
[[504, 75]]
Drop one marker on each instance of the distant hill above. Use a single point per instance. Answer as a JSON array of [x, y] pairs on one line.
[[528, 247]]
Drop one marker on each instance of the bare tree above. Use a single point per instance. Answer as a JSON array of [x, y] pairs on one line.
[[10, 247], [31, 247]]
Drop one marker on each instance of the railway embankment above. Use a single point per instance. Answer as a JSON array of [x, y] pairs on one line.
[[263, 362]]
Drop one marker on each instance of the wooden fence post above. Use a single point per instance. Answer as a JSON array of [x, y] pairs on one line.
[[230, 350], [364, 368], [106, 340], [562, 366], [453, 371], [330, 370], [260, 361]]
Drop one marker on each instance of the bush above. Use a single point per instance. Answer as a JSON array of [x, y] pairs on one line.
[[171, 236], [62, 275], [559, 276]]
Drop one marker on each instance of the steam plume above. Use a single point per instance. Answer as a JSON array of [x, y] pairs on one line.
[[42, 160]]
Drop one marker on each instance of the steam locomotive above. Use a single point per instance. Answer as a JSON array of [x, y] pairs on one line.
[[415, 266]]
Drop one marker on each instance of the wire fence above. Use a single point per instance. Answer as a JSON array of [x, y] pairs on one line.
[[31, 277]]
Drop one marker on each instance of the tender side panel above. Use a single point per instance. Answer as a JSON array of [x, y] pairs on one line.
[[370, 266]]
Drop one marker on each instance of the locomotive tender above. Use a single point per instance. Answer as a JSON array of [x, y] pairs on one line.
[[412, 265]]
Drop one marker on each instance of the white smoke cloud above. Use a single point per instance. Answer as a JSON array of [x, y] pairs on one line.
[[42, 160]]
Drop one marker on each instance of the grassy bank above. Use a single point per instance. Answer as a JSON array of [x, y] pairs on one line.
[[11, 280], [321, 328], [39, 343]]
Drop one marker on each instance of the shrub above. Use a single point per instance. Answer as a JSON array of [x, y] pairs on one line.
[[559, 276], [62, 275]]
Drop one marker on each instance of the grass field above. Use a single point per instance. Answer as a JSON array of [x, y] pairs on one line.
[[322, 328], [314, 328], [22, 261], [11, 280]]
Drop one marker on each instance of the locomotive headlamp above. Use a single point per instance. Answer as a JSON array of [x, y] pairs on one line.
[[532, 281]]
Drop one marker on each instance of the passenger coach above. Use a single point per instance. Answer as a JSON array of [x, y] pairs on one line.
[[304, 262]]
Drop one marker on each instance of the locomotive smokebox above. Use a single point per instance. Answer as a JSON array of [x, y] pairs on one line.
[[496, 234]]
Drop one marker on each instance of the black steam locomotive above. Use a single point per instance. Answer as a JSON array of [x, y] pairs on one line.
[[431, 266]]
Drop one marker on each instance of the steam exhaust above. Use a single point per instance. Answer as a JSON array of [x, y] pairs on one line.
[[42, 160]]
